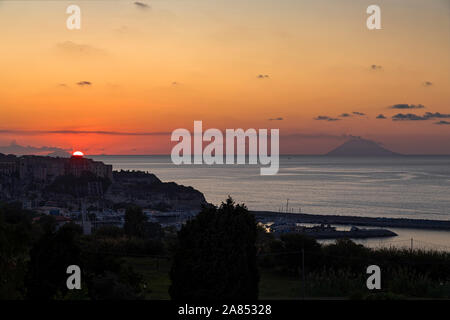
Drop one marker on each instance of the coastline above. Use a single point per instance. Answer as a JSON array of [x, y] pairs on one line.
[[423, 224]]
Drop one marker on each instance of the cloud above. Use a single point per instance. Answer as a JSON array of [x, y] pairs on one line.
[[345, 115], [326, 118], [72, 48], [84, 83], [263, 76], [427, 84], [16, 149], [141, 5], [112, 133], [443, 122], [276, 119], [376, 67], [300, 135], [358, 113], [381, 116], [409, 116], [407, 106], [415, 117], [436, 115]]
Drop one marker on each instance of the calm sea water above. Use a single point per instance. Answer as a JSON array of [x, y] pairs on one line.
[[405, 187]]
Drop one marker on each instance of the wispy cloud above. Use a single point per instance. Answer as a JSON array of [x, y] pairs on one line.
[[407, 106], [376, 67], [381, 116], [345, 115], [76, 49], [415, 117], [301, 135], [408, 116], [263, 76], [443, 122], [358, 113], [326, 118], [17, 149], [141, 5], [436, 115], [84, 83], [100, 132], [427, 84], [276, 119]]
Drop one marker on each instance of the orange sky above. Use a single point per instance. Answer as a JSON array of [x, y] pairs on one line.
[[157, 69]]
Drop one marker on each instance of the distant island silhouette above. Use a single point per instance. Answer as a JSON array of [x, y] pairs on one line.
[[359, 147]]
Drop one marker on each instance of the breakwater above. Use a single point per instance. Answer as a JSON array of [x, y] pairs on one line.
[[354, 220]]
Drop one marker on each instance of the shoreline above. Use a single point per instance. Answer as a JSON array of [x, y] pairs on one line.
[[423, 224]]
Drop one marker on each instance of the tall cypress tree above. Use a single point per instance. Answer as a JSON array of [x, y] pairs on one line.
[[216, 256], [135, 222]]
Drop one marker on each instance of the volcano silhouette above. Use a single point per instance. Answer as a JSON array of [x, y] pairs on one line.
[[359, 147]]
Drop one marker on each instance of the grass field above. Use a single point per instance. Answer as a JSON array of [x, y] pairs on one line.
[[156, 275], [272, 286]]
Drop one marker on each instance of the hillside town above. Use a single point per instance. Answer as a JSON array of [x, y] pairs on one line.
[[90, 193]]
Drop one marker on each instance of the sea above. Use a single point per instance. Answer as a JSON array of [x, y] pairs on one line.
[[416, 187]]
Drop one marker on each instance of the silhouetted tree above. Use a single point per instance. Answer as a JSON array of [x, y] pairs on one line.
[[346, 254], [136, 225], [107, 276], [153, 230], [109, 232], [15, 238], [49, 259], [135, 221], [216, 256], [293, 244]]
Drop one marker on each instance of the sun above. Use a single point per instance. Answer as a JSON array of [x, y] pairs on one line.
[[78, 154]]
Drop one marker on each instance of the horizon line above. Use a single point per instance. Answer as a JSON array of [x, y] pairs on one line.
[[284, 154]]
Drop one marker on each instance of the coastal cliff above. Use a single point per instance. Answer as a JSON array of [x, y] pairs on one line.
[[39, 181], [148, 191]]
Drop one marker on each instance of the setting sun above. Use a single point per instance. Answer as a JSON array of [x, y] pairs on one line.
[[78, 154]]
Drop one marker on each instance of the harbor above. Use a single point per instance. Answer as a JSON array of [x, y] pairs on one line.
[[328, 232]]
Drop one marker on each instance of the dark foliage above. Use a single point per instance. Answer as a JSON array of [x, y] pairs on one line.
[[49, 259], [216, 256], [109, 232], [135, 221], [339, 269], [79, 186], [136, 225], [296, 246], [15, 238]]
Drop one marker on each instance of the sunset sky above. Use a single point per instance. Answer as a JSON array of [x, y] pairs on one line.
[[136, 72]]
